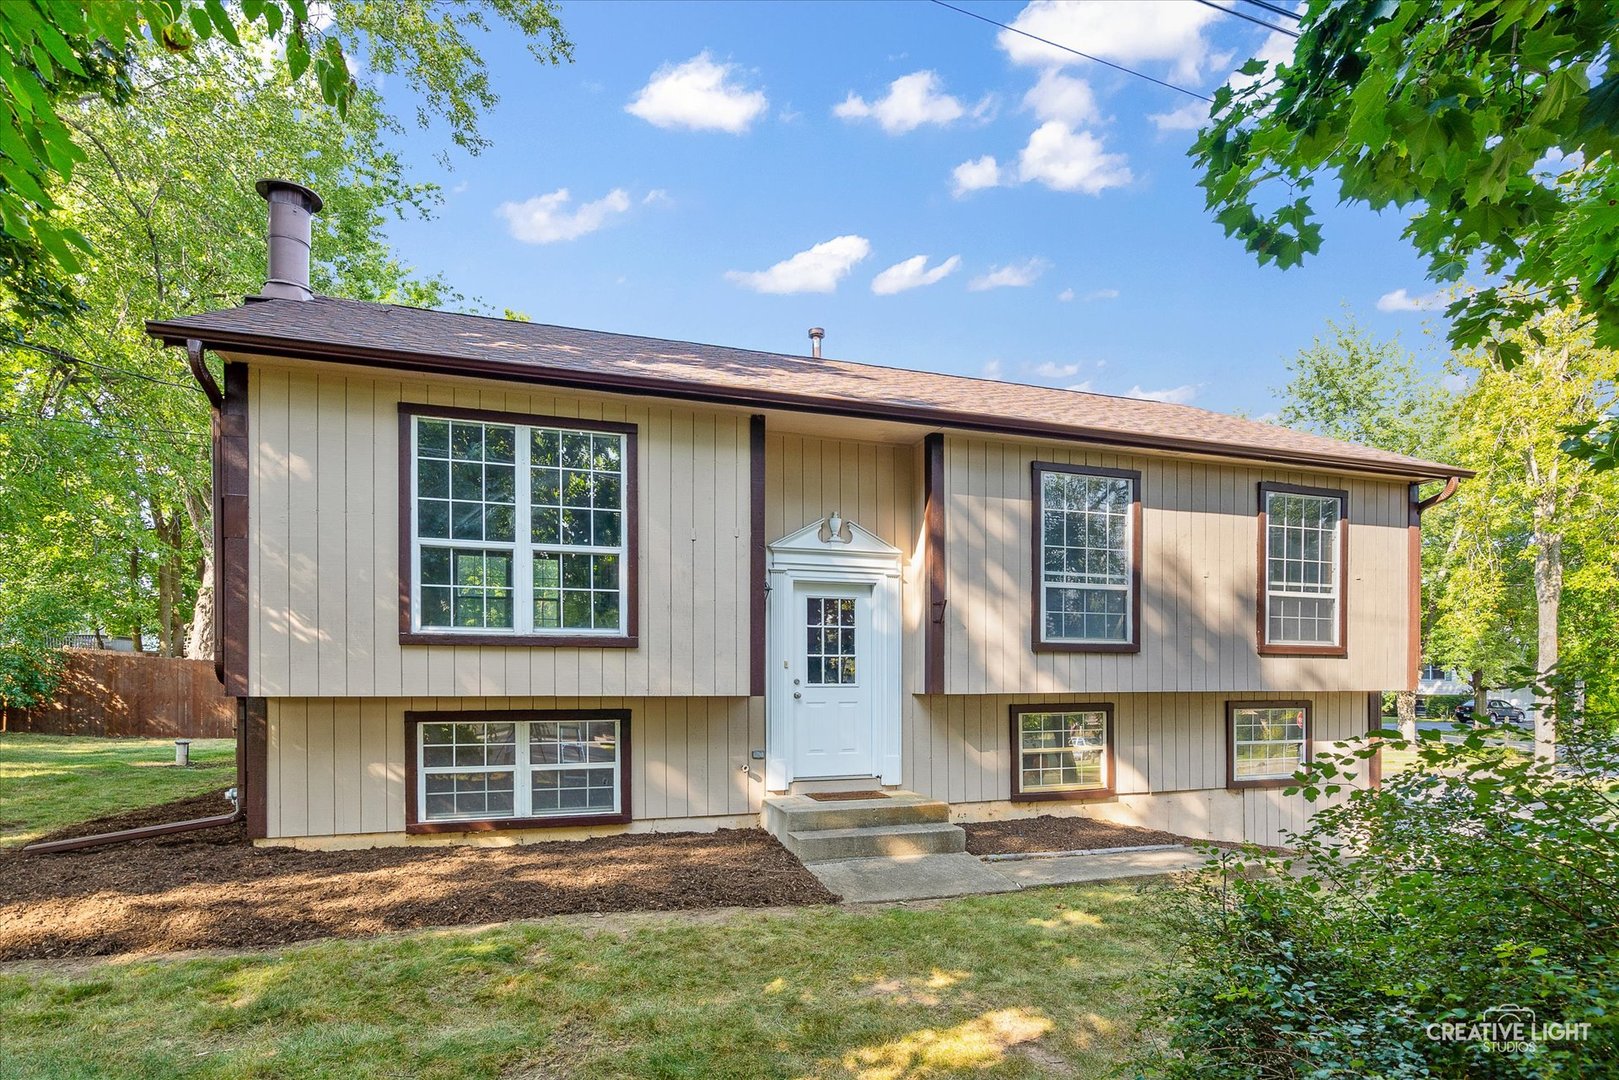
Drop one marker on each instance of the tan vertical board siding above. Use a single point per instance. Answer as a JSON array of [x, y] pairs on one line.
[[1164, 744], [324, 564], [1198, 580], [337, 765], [875, 485]]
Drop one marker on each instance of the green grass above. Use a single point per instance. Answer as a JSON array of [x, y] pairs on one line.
[[1040, 983], [50, 781]]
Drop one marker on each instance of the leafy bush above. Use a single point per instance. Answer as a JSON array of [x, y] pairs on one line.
[[1480, 879], [32, 625], [1443, 706]]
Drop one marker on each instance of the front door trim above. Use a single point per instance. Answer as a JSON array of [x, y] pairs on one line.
[[849, 555]]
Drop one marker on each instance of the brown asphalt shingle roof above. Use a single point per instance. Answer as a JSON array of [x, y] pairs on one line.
[[434, 341]]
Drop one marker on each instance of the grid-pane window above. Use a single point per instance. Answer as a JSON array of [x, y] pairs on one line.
[[1302, 568], [1085, 546], [1063, 751], [829, 640], [1268, 743], [520, 769], [518, 528]]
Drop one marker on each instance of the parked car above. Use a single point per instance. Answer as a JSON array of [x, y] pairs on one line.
[[1501, 711]]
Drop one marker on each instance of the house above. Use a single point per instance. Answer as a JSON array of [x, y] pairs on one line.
[[485, 579]]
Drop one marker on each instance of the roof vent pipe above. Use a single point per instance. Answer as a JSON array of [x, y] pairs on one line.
[[291, 208], [816, 334]]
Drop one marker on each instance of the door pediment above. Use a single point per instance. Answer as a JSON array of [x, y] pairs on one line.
[[816, 544]]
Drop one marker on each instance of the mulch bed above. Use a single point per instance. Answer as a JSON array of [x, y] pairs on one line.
[[212, 889], [1047, 833]]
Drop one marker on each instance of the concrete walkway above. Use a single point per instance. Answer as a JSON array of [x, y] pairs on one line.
[[927, 877]]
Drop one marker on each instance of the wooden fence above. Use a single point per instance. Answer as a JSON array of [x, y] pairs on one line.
[[128, 694]]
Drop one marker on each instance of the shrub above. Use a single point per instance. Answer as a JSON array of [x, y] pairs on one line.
[[32, 625], [1479, 880]]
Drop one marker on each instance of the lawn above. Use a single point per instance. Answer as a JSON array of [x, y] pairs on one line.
[[51, 781], [1039, 983]]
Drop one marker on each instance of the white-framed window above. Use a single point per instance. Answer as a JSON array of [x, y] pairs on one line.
[[829, 653], [487, 770], [1303, 567], [1063, 749], [1086, 556], [518, 528], [1269, 740]]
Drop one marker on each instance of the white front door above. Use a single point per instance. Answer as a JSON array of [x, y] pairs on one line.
[[832, 680]]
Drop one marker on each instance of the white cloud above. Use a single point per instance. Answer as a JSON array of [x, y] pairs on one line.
[[1124, 31], [1065, 160], [1174, 395], [1400, 300], [1066, 296], [817, 270], [1188, 117], [656, 197], [699, 94], [993, 369], [1102, 294], [546, 219], [1082, 387], [1062, 97], [912, 100], [1014, 275], [976, 175], [912, 274], [1048, 370]]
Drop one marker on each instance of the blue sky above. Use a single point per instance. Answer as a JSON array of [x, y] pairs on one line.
[[664, 182]]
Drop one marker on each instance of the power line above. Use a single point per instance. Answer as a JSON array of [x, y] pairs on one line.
[[1256, 20], [1277, 9], [1076, 52]]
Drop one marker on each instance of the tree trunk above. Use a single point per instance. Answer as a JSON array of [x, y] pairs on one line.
[[1547, 541], [1548, 600], [200, 643], [1405, 703], [134, 588], [1481, 697]]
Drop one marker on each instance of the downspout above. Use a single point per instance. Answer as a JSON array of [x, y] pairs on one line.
[[216, 401]]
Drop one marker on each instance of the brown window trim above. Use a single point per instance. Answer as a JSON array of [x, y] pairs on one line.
[[1106, 792], [1036, 633], [1231, 707], [629, 639], [413, 720], [1262, 597]]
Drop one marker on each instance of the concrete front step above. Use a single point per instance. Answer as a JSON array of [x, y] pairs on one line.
[[799, 813], [925, 838]]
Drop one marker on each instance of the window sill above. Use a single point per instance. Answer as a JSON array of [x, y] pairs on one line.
[[531, 641], [1081, 795], [1336, 652], [1243, 785], [1087, 646], [490, 824]]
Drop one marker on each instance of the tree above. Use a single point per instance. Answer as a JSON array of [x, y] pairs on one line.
[[1494, 123], [55, 55], [1352, 386], [1532, 514], [104, 479]]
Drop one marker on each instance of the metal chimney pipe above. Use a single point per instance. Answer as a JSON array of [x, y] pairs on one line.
[[291, 208], [816, 334]]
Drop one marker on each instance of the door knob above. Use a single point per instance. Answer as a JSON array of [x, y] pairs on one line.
[[798, 693]]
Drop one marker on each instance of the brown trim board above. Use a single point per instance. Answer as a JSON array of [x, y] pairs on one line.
[[1231, 707], [756, 556], [412, 771], [629, 639], [1261, 595], [253, 754], [682, 390], [230, 532], [933, 523], [1037, 641], [1374, 722], [1107, 791]]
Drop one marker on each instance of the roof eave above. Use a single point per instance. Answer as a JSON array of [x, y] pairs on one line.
[[178, 334]]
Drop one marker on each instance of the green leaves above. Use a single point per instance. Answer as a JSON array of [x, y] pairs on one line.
[[1462, 112]]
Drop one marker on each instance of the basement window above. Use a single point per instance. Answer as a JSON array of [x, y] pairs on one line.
[[1063, 751], [1269, 741], [518, 769]]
